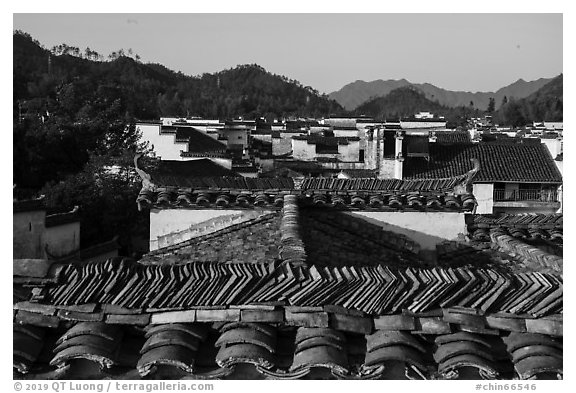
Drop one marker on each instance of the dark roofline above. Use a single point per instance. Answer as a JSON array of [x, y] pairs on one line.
[[63, 218], [312, 139], [414, 120], [156, 122], [99, 249], [29, 205]]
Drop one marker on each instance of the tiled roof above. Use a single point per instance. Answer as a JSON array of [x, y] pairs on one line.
[[337, 239], [197, 284], [280, 172], [498, 163], [29, 205], [535, 238], [452, 137], [99, 249], [403, 347], [256, 240], [198, 142], [503, 139], [359, 173], [312, 291], [187, 173], [370, 184], [53, 220], [526, 226], [327, 140], [205, 194]]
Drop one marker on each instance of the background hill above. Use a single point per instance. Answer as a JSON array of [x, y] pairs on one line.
[[356, 93], [546, 104], [404, 102]]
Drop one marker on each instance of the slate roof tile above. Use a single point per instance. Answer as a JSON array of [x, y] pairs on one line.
[[172, 355], [298, 351], [530, 367], [498, 163], [450, 368]]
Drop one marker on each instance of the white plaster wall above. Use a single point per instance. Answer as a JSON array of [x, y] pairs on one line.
[[554, 125], [263, 137], [422, 124], [301, 150], [484, 194], [370, 154], [225, 162], [282, 145], [164, 146], [348, 133], [235, 137], [554, 146], [426, 228], [387, 169], [350, 152], [62, 240], [28, 233], [560, 166], [167, 221]]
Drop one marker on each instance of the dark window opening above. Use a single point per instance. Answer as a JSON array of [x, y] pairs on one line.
[[361, 156], [326, 149], [389, 144]]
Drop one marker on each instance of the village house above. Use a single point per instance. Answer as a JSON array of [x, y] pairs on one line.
[[512, 177], [51, 237]]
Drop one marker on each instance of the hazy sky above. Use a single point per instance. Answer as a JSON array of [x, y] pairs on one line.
[[471, 52]]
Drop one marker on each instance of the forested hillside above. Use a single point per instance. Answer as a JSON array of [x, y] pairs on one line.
[[544, 105], [404, 102]]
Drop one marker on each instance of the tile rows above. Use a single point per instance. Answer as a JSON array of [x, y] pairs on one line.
[[371, 184], [207, 198], [534, 354], [238, 183], [530, 253], [371, 289], [291, 244], [534, 219], [378, 200], [206, 351], [361, 199], [458, 350], [483, 234]]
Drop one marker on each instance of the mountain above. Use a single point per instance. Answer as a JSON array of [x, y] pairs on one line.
[[152, 90], [546, 104], [400, 103], [356, 93]]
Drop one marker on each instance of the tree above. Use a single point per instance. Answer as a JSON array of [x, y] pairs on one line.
[[106, 190], [491, 105], [504, 100]]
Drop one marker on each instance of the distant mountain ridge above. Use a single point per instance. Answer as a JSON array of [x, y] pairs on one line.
[[356, 93], [546, 104], [403, 102]]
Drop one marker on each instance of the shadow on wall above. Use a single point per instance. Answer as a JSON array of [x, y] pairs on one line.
[[334, 238]]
